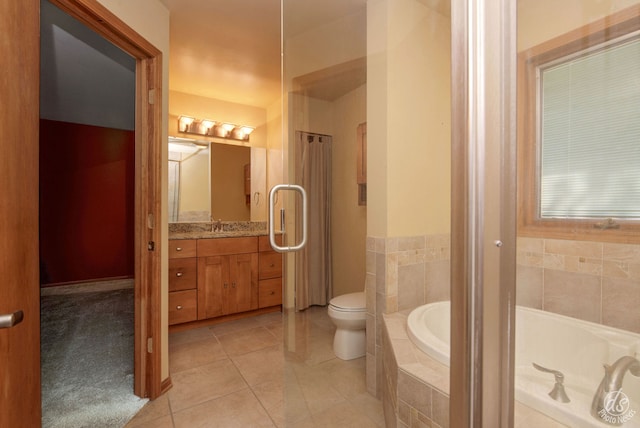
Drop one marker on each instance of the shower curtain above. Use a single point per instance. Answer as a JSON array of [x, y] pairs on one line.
[[313, 263]]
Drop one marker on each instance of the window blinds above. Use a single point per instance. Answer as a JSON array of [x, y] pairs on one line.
[[590, 135]]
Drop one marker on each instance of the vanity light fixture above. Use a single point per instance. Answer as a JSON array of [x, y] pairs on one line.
[[211, 128]]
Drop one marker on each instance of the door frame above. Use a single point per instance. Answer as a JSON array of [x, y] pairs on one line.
[[147, 206]]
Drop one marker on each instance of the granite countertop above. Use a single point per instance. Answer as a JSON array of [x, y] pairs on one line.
[[213, 235], [204, 230]]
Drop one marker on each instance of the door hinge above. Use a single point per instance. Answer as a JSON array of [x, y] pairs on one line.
[[151, 246], [151, 221], [150, 345], [152, 96]]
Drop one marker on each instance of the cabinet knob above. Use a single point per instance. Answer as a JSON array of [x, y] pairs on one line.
[[179, 274], [226, 285], [233, 285], [178, 248], [272, 293], [179, 307], [272, 265]]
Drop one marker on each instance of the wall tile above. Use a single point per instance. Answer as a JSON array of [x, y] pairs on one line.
[[529, 286], [530, 245], [411, 243], [381, 262], [411, 286], [553, 261], [370, 292], [621, 261], [370, 243], [440, 408], [592, 266], [526, 258], [371, 374], [371, 334], [621, 303], [622, 252], [370, 262], [391, 274], [437, 282], [587, 249], [415, 393], [573, 294]]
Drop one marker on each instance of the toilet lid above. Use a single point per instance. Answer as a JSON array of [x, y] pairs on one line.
[[350, 302]]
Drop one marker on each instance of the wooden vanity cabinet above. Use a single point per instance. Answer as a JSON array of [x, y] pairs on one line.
[[183, 277], [215, 277], [270, 273], [227, 276]]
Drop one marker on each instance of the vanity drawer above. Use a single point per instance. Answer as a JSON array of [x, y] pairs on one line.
[[183, 274], [183, 306], [224, 246], [270, 292], [182, 248], [265, 245], [269, 265]]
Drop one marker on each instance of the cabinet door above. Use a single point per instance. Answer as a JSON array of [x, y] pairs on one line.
[[243, 294], [213, 282]]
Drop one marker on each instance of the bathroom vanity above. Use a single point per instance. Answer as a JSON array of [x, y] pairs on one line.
[[211, 278]]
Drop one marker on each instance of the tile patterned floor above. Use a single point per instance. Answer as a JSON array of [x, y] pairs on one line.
[[266, 371]]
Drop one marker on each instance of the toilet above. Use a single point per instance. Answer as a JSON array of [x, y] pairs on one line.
[[349, 314]]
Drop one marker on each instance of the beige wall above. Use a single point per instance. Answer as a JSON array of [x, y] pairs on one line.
[[540, 20], [323, 47], [150, 19], [408, 109], [348, 219]]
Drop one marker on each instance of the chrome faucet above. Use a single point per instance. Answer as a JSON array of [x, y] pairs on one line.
[[608, 399], [557, 393], [216, 226]]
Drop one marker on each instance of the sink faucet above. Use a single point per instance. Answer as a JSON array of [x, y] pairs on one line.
[[216, 226], [609, 403]]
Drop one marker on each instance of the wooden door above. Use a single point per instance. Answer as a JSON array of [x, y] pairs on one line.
[[19, 266], [213, 281], [244, 282]]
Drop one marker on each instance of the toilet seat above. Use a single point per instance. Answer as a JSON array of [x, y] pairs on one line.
[[352, 302]]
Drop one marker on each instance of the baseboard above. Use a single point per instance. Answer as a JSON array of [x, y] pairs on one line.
[[165, 385], [87, 286]]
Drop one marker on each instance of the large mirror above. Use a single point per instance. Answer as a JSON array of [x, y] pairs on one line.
[[215, 181]]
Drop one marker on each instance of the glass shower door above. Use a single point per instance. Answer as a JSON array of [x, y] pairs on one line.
[[578, 324]]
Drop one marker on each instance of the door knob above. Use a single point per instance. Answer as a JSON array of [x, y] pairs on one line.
[[9, 320]]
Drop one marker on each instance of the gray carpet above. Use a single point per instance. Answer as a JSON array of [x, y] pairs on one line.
[[87, 360]]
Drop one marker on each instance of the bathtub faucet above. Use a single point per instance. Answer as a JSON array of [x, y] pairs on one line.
[[609, 403], [557, 393]]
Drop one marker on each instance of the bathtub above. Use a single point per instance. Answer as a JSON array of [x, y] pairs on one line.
[[577, 348]]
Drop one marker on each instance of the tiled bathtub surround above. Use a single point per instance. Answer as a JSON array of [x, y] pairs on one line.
[[593, 281], [416, 387], [402, 273]]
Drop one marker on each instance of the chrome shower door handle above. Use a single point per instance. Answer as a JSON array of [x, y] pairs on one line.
[[10, 320], [272, 232]]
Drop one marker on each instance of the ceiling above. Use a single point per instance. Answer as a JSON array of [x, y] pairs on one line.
[[230, 49]]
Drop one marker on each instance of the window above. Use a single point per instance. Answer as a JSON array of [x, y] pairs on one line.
[[579, 134]]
